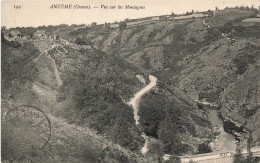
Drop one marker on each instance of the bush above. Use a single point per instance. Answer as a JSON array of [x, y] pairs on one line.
[[173, 14], [210, 13], [210, 96], [14, 44], [93, 24], [228, 27], [204, 148], [122, 25], [87, 153], [15, 67], [156, 148], [151, 113], [169, 131], [242, 61], [239, 158], [80, 31], [16, 146], [230, 126], [83, 41], [174, 159]]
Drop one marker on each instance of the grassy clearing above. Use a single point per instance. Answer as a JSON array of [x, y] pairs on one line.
[[226, 16], [18, 145], [257, 20]]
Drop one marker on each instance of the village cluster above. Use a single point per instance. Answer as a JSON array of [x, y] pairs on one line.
[[16, 35]]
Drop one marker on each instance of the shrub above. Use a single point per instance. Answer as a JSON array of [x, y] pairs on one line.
[[16, 146], [93, 24], [83, 41], [168, 132], [238, 157], [16, 68], [156, 148], [204, 148], [87, 153], [122, 25], [80, 31], [242, 61], [210, 13], [174, 159], [151, 113]]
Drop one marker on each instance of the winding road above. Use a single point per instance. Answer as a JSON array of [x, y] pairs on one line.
[[134, 102]]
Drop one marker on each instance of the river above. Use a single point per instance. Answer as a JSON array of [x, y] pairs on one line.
[[224, 141]]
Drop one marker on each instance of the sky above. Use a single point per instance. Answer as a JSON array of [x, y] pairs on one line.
[[37, 12]]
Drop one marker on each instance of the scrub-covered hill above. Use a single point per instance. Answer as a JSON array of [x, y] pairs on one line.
[[84, 80], [201, 57]]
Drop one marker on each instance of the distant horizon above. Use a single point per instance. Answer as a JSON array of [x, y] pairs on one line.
[[97, 23], [38, 13]]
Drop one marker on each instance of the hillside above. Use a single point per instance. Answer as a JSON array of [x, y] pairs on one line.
[[200, 57], [79, 143], [84, 79]]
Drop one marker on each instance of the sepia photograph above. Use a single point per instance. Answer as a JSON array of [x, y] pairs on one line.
[[130, 81]]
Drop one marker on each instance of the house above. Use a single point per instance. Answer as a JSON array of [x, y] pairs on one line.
[[12, 35], [26, 37], [6, 34], [53, 37], [40, 34], [4, 28], [16, 34]]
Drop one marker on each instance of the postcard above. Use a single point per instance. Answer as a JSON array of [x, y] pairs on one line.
[[130, 81]]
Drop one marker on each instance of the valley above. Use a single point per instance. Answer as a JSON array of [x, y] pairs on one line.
[[136, 91]]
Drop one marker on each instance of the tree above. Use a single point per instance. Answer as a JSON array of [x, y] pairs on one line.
[[249, 143], [187, 13], [107, 25], [247, 8], [156, 150], [13, 68], [79, 41], [238, 157], [83, 41], [151, 113], [204, 148], [252, 8], [122, 25], [173, 14], [170, 129], [174, 159], [10, 35], [228, 27], [241, 8], [210, 13], [93, 24], [57, 37]]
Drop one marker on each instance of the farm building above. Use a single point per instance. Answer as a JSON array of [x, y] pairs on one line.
[[40, 34]]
